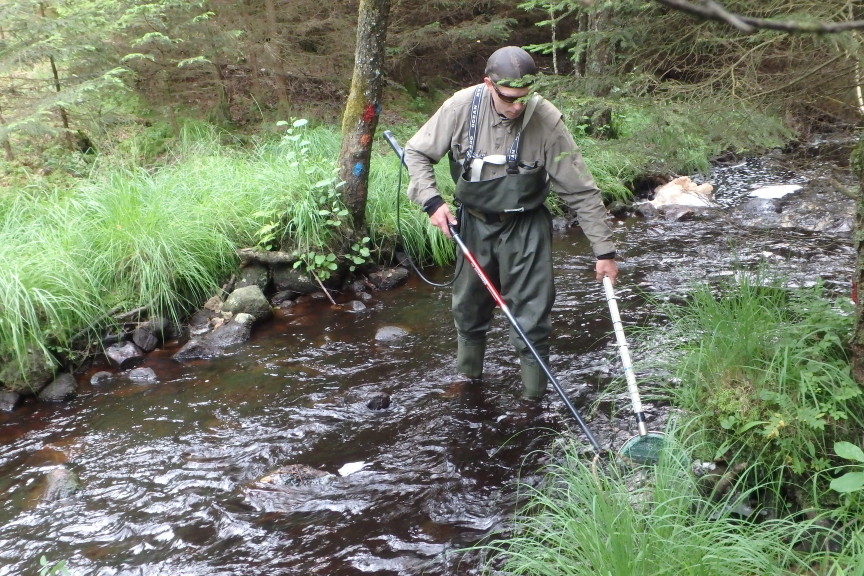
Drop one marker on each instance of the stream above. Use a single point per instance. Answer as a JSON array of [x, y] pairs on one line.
[[171, 471]]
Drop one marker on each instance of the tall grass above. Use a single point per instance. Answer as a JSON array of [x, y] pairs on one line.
[[390, 215], [46, 286], [583, 522], [764, 371], [165, 238], [152, 243]]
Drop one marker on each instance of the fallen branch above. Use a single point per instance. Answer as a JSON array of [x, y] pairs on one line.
[[252, 255], [321, 284]]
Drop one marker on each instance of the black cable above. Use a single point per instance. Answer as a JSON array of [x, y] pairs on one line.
[[400, 153]]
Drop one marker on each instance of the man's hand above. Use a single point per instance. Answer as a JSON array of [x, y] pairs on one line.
[[442, 219], [606, 268]]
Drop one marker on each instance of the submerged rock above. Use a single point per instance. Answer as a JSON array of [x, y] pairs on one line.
[[143, 375], [124, 355], [59, 483], [390, 334], [62, 388], [214, 343], [294, 475], [379, 401]]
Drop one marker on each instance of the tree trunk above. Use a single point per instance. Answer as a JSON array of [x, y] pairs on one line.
[[4, 141], [858, 276], [363, 107], [276, 52], [600, 57], [64, 118]]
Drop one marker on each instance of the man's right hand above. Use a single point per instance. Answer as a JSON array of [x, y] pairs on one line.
[[443, 219]]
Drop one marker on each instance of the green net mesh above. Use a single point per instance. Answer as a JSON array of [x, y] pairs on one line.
[[643, 449]]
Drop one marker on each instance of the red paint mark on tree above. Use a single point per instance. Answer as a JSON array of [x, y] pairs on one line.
[[369, 113]]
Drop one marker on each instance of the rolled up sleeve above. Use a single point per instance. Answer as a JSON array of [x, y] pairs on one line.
[[574, 184], [424, 150]]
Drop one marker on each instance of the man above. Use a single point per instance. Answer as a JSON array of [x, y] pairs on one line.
[[506, 148]]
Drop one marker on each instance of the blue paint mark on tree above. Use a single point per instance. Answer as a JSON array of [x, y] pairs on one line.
[[358, 169]]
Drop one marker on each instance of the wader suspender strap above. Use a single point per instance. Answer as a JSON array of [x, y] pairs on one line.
[[474, 120]]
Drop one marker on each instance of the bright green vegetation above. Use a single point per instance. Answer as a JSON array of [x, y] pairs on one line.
[[613, 522], [158, 222], [155, 220], [760, 382], [165, 238], [764, 371], [677, 137]]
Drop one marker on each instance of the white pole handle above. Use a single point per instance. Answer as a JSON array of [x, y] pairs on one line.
[[624, 352]]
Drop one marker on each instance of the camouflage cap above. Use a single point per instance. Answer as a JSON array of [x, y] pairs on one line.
[[507, 65]]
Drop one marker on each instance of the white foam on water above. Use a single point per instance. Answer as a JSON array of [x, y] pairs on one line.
[[777, 191], [351, 467]]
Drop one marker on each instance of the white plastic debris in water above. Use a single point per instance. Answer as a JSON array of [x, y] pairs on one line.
[[350, 468], [777, 191]]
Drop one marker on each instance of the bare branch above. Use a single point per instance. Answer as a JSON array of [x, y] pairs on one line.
[[710, 10]]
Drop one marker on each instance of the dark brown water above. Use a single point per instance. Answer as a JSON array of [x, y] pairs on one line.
[[169, 470]]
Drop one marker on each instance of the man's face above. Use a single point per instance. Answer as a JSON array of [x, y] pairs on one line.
[[508, 101]]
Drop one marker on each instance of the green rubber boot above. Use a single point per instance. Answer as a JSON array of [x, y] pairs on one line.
[[469, 358], [533, 379]]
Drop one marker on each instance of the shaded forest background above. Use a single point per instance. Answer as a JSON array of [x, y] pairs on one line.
[[90, 75]]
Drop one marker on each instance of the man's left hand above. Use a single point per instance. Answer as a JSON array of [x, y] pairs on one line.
[[607, 268]]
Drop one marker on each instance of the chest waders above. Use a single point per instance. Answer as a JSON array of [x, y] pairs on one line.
[[508, 229]]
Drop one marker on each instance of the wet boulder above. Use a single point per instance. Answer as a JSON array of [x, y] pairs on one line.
[[149, 335], [58, 484], [284, 299], [62, 388], [294, 475], [214, 343], [38, 372], [201, 321], [810, 208], [9, 400], [249, 300], [286, 277], [388, 278], [124, 355], [646, 210], [380, 401]]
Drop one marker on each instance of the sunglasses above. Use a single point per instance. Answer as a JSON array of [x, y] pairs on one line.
[[507, 99]]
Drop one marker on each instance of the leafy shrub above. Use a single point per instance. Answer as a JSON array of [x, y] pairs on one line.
[[763, 371]]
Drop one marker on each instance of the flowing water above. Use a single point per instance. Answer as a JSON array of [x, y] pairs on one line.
[[170, 471]]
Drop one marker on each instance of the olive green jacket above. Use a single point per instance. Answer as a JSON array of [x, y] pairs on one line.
[[545, 141]]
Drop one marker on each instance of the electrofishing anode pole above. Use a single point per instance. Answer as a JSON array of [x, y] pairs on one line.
[[506, 310]]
